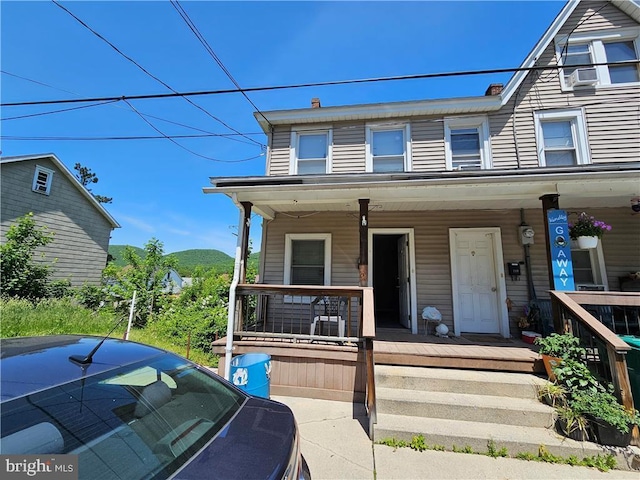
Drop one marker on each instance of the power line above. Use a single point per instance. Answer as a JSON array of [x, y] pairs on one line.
[[112, 101], [121, 53], [182, 146], [57, 111], [131, 137], [192, 26], [317, 84]]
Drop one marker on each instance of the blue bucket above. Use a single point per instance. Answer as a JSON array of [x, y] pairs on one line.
[[251, 372]]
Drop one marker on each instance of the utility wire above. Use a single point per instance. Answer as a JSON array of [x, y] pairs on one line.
[[112, 101], [192, 26], [121, 53], [182, 146], [57, 111], [316, 84], [131, 137]]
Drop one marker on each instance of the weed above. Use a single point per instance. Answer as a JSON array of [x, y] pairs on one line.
[[492, 450], [418, 443]]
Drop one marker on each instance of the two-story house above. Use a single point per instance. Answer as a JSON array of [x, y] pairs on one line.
[[81, 226], [430, 201]]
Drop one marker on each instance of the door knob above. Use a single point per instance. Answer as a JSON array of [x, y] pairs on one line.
[[493, 289]]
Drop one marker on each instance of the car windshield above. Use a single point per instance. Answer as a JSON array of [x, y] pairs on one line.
[[140, 421]]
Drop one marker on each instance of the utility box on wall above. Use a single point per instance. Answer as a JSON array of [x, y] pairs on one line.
[[526, 235]]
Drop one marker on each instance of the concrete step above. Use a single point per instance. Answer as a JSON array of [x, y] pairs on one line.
[[516, 439], [463, 406], [506, 384]]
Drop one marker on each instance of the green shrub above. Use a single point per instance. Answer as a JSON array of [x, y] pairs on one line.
[[564, 346]]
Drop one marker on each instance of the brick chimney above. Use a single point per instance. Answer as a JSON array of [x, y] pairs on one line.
[[494, 89], [315, 102]]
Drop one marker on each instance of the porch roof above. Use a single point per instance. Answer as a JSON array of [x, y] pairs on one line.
[[589, 186]]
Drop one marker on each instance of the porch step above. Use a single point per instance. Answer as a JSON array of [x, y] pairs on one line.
[[524, 412], [462, 408], [462, 381], [461, 434]]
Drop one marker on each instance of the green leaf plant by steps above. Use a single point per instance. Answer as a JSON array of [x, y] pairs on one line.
[[564, 346]]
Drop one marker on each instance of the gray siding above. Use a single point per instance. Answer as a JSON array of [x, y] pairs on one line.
[[612, 115], [81, 232], [621, 248]]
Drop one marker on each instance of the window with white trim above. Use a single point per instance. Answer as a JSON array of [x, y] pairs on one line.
[[608, 46], [42, 180], [307, 259], [310, 152], [388, 148], [562, 138], [467, 145], [589, 269]]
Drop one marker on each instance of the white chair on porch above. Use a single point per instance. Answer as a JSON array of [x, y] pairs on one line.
[[330, 310]]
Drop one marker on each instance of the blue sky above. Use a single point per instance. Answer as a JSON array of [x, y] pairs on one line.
[[156, 185]]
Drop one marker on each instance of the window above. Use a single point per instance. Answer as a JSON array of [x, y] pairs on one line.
[[307, 259], [42, 180], [388, 148], [588, 269], [467, 143], [561, 137], [617, 45], [310, 152]]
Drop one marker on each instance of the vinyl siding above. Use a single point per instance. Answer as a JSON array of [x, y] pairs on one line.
[[279, 152], [612, 116], [81, 233], [621, 249], [348, 148]]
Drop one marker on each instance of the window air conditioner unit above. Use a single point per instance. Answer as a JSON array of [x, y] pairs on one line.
[[582, 77]]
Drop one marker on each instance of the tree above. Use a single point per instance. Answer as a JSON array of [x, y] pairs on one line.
[[21, 275], [145, 275], [86, 177]]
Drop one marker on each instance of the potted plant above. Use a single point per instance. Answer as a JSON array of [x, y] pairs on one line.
[[571, 423], [552, 394], [558, 347], [612, 423], [587, 230]]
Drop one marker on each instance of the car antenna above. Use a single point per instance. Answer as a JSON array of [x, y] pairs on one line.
[[79, 359]]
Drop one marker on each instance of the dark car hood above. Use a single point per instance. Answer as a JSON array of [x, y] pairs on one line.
[[256, 444]]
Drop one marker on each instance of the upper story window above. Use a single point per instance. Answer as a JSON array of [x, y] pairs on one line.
[[388, 148], [595, 48], [561, 137], [307, 259], [467, 144], [42, 180], [310, 152]]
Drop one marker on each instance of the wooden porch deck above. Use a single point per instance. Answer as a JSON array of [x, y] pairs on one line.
[[469, 351], [337, 372]]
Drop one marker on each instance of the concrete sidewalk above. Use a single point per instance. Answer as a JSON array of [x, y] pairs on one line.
[[336, 446]]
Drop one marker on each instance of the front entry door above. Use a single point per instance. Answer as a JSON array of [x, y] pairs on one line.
[[475, 282], [403, 281]]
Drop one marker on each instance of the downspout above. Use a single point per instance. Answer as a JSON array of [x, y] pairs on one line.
[[228, 350]]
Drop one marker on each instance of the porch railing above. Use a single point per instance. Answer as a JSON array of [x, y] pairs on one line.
[[606, 352], [331, 314]]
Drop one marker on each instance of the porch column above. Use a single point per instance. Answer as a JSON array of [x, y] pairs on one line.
[[363, 262], [244, 246], [550, 202]]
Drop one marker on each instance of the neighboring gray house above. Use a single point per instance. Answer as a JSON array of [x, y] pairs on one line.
[[82, 227]]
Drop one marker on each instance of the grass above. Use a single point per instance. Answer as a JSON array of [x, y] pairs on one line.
[[601, 462], [21, 318]]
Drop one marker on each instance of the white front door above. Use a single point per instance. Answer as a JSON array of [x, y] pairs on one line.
[[475, 281], [403, 281]]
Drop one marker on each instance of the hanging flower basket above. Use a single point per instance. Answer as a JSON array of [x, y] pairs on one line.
[[587, 230], [587, 242]]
